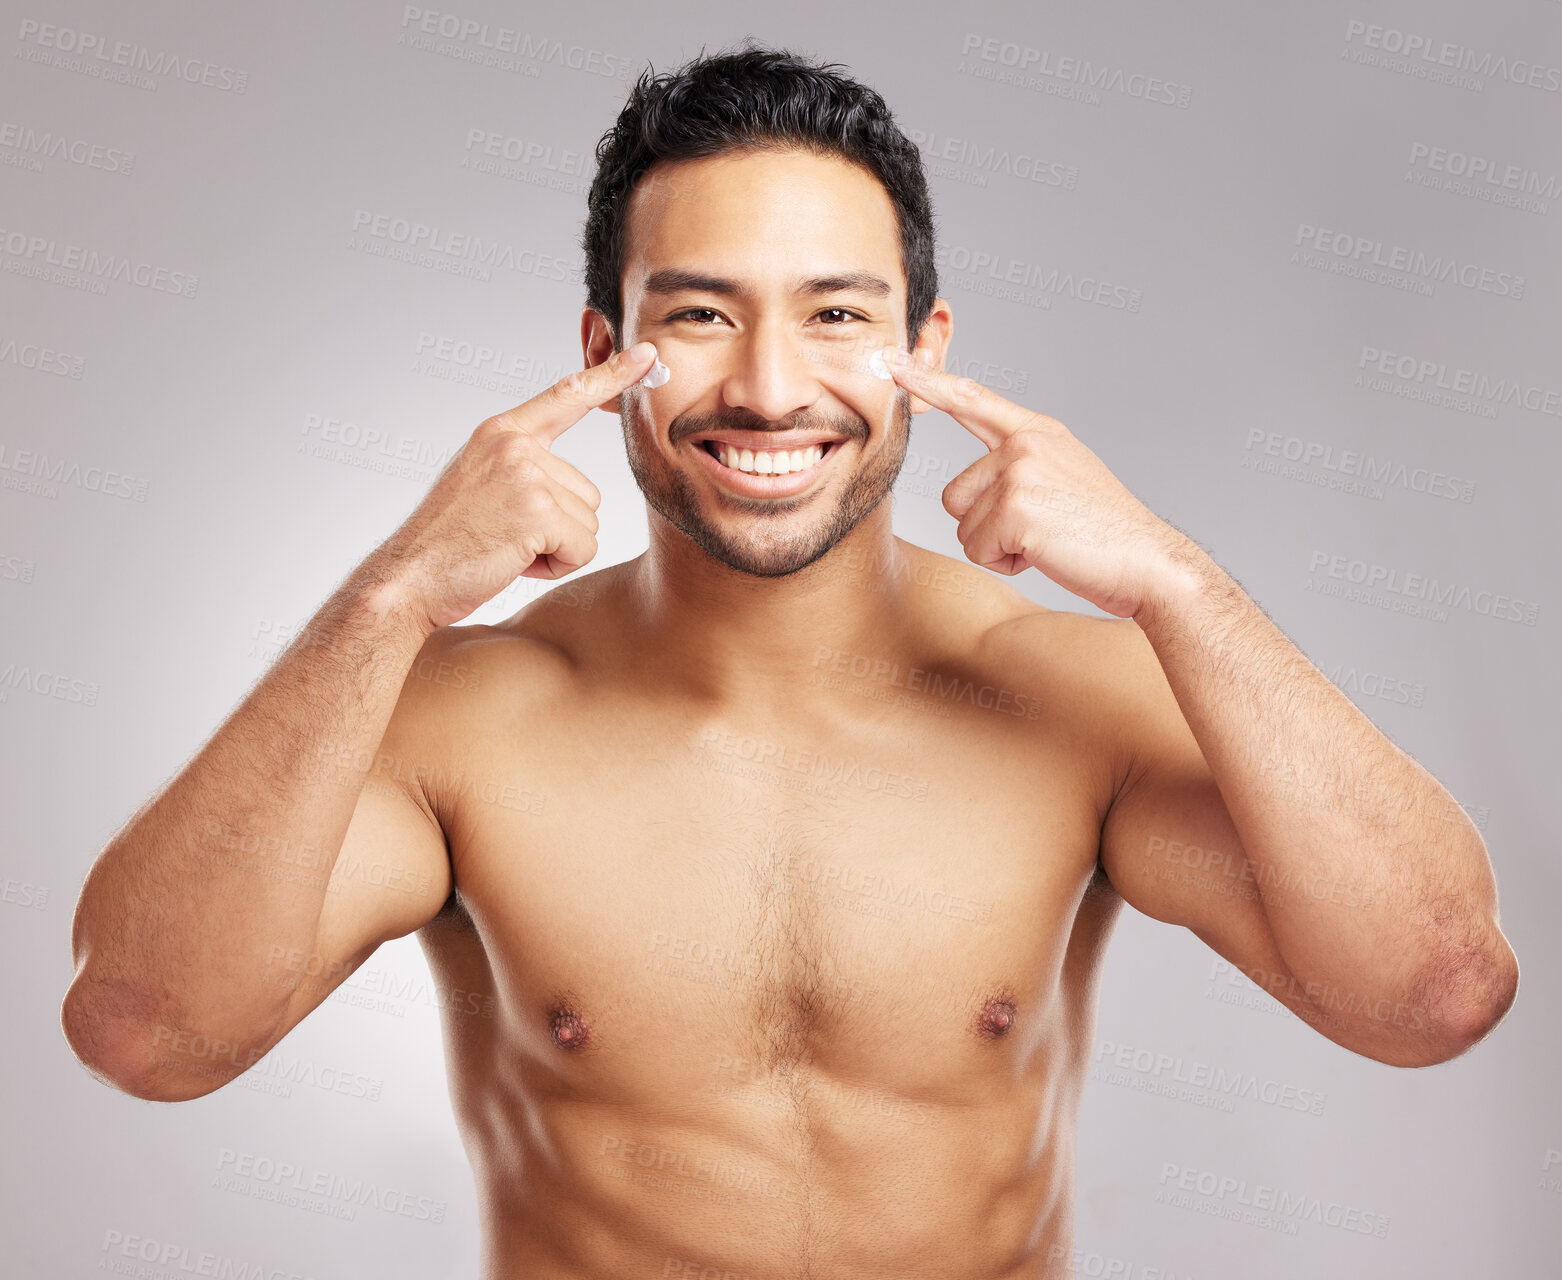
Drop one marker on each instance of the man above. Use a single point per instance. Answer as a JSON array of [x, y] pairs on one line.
[[767, 876]]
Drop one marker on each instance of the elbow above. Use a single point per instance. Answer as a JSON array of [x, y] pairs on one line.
[[127, 1054], [1486, 995], [1473, 996]]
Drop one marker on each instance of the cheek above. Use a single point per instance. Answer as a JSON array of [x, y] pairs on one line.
[[851, 368], [846, 371], [849, 372]]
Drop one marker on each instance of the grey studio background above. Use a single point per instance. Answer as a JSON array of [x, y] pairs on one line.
[[1291, 271]]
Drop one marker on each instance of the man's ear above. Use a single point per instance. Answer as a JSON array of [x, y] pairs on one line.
[[933, 343], [596, 345]]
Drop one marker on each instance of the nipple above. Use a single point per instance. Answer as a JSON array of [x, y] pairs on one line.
[[569, 1028], [996, 1018]]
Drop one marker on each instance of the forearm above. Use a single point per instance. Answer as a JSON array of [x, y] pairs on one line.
[[182, 911], [1375, 884]]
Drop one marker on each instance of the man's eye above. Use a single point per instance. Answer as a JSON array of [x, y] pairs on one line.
[[692, 313]]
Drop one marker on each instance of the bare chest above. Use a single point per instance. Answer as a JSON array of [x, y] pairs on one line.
[[749, 899]]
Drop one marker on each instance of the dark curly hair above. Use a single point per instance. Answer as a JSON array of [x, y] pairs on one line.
[[754, 98]]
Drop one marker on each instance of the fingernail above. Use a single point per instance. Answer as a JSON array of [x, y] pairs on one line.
[[896, 358], [639, 351]]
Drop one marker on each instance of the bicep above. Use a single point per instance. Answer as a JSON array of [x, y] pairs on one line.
[[392, 873], [391, 877], [1168, 843]]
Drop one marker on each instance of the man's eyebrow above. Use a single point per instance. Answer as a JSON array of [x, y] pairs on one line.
[[679, 280]]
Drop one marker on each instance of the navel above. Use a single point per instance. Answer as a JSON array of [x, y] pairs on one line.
[[996, 1017], [568, 1027]]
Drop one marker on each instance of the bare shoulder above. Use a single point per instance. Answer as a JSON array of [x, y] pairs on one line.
[[1004, 627], [538, 647], [471, 681], [1095, 679], [1100, 673]]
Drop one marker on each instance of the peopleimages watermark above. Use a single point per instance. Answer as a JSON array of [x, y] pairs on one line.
[[383, 235], [159, 1258], [30, 147], [28, 471], [505, 48], [16, 569], [92, 54], [1201, 1083], [1396, 264], [300, 1187], [1549, 1181], [1009, 279], [48, 684], [1078, 1262], [1375, 684], [18, 893], [540, 164], [782, 758], [1033, 68], [79, 267], [1348, 470], [1230, 872], [966, 160], [1323, 1004], [942, 688], [1260, 1203], [1481, 178], [40, 359], [485, 365], [371, 448], [1420, 594], [1435, 376], [1414, 53]]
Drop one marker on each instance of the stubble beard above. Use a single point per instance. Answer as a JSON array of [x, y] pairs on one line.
[[759, 548]]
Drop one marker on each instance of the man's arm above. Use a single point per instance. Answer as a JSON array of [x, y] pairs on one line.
[[1263, 810], [190, 919], [234, 900]]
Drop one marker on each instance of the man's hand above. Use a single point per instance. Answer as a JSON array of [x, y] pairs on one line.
[[505, 507], [1040, 498]]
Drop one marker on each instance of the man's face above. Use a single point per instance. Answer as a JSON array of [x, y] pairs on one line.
[[766, 281]]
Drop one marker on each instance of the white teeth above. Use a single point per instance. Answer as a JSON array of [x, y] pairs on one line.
[[780, 463]]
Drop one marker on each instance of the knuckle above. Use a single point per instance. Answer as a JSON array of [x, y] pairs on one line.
[[571, 390], [496, 427], [535, 500], [970, 392], [510, 462]]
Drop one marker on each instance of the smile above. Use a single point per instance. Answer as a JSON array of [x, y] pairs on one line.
[[766, 473], [777, 463]]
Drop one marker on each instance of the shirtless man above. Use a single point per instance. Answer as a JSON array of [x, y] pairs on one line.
[[767, 876]]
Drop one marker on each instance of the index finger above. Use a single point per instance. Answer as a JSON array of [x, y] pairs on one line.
[[550, 413], [980, 410]]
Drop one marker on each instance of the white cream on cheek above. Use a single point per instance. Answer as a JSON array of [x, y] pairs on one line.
[[659, 374]]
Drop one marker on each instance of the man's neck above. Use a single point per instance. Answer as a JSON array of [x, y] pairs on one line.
[[738, 638]]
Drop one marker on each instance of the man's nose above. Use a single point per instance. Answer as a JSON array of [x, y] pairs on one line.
[[770, 374]]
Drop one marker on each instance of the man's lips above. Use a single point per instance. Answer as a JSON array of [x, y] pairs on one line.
[[760, 485], [770, 441]]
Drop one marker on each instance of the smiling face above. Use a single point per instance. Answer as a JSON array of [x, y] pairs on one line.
[[767, 280]]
